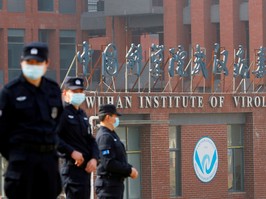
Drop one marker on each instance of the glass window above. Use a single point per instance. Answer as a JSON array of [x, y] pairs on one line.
[[1, 4], [45, 36], [130, 136], [67, 53], [15, 46], [92, 5], [45, 5], [175, 160], [235, 153], [215, 2], [67, 6], [188, 3], [16, 5], [157, 3]]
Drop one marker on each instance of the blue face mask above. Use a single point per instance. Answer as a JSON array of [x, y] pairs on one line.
[[77, 98], [32, 71], [116, 124]]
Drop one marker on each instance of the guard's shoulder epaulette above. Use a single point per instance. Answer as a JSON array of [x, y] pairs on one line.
[[12, 83], [53, 82]]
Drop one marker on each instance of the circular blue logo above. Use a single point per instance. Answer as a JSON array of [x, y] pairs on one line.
[[205, 159]]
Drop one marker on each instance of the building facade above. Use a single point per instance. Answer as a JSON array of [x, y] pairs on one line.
[[188, 77]]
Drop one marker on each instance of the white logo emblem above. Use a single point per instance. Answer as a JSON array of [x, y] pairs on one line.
[[34, 51], [21, 98], [54, 112], [0, 113], [78, 82], [70, 116], [205, 159]]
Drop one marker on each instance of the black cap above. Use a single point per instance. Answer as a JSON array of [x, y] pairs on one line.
[[108, 109], [73, 83], [35, 50]]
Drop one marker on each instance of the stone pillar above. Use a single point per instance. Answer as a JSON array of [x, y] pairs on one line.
[[258, 171], [160, 174], [203, 33], [175, 33], [232, 34], [257, 35], [117, 31]]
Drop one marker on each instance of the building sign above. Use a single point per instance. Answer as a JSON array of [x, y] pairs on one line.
[[205, 159], [181, 64], [177, 101]]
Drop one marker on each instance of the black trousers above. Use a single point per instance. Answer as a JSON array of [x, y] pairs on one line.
[[76, 182], [32, 175], [108, 188]]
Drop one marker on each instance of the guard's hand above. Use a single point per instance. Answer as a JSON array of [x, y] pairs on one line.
[[134, 173], [91, 166], [78, 157]]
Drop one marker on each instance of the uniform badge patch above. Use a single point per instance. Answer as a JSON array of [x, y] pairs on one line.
[[34, 51], [21, 98], [0, 113], [54, 112], [70, 116], [105, 152], [78, 82]]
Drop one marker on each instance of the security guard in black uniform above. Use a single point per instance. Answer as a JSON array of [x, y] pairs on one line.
[[78, 144], [113, 167], [30, 108]]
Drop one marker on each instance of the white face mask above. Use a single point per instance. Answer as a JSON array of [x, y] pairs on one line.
[[33, 71], [116, 124], [77, 98]]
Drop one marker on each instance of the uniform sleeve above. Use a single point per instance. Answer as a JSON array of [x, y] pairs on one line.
[[5, 122], [108, 157], [94, 147], [63, 147]]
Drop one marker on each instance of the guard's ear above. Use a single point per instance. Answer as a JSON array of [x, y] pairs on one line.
[[65, 95], [47, 62]]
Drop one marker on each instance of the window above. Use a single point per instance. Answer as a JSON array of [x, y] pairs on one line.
[[1, 4], [67, 6], [16, 5], [157, 3], [92, 5], [188, 3], [175, 160], [45, 5], [215, 2], [45, 35], [67, 53], [235, 155], [15, 47], [130, 136]]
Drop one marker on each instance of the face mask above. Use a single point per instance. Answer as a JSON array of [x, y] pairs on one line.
[[33, 71], [77, 98], [116, 124]]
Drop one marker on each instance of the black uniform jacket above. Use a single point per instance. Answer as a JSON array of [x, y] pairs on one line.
[[113, 159], [29, 114], [75, 133]]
